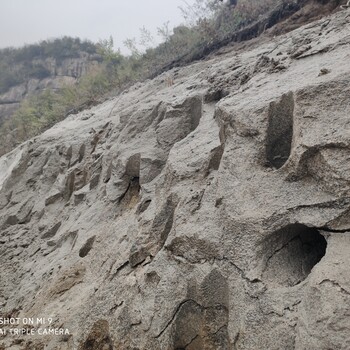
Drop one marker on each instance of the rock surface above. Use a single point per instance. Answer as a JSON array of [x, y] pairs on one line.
[[211, 214]]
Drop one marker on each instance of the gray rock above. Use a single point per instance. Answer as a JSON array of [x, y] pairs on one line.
[[183, 218]]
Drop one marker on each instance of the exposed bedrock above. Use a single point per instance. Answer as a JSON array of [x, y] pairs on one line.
[[211, 214]]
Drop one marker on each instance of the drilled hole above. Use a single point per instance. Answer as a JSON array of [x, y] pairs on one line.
[[143, 206], [292, 253], [280, 131], [85, 249], [131, 195], [215, 95]]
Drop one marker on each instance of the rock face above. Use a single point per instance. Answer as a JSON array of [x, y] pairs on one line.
[[211, 214]]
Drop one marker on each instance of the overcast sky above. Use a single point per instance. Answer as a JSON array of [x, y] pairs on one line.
[[29, 21]]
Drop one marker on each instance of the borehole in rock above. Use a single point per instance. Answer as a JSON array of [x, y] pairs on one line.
[[52, 231], [187, 324], [132, 179], [280, 131], [81, 152], [98, 338], [143, 206], [85, 249], [215, 158], [69, 186], [215, 95], [153, 242], [131, 196], [132, 167], [293, 252]]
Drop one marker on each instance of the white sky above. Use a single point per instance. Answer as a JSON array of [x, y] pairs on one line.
[[29, 21]]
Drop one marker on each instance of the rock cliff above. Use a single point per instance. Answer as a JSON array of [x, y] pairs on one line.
[[210, 214], [59, 73]]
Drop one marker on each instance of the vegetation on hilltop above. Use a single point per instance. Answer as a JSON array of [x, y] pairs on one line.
[[17, 65], [207, 22]]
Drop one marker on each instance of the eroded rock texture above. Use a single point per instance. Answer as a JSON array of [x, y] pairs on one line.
[[211, 214]]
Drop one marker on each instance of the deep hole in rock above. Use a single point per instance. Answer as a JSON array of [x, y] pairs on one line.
[[193, 112], [280, 131], [215, 158], [85, 249], [69, 186], [132, 167], [52, 231], [292, 253], [81, 152], [151, 244], [98, 338], [143, 206], [132, 178], [187, 324], [131, 196], [215, 95]]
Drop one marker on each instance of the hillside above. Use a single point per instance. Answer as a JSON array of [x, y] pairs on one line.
[[208, 212], [47, 66]]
